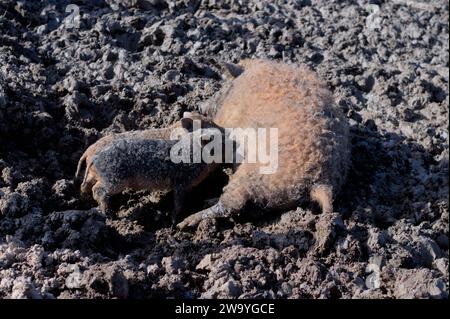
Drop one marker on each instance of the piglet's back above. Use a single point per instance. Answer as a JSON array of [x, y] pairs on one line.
[[138, 159]]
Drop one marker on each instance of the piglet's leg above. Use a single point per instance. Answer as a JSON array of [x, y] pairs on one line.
[[218, 210]]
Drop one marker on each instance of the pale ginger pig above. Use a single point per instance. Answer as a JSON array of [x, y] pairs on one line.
[[313, 138]]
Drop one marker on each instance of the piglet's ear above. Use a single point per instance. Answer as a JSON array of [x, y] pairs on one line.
[[194, 115], [187, 114], [187, 123]]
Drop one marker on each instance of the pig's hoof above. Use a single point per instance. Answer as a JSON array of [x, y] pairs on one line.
[[218, 210], [326, 232], [190, 222]]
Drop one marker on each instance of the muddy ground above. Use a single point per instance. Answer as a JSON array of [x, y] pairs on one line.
[[137, 64]]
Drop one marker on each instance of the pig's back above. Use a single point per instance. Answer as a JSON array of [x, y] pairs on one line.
[[312, 132]]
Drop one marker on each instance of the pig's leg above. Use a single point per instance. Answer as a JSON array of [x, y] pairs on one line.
[[235, 196], [215, 211], [102, 197], [178, 200], [323, 195], [329, 223]]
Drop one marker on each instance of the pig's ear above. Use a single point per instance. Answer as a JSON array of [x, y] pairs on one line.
[[187, 123]]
